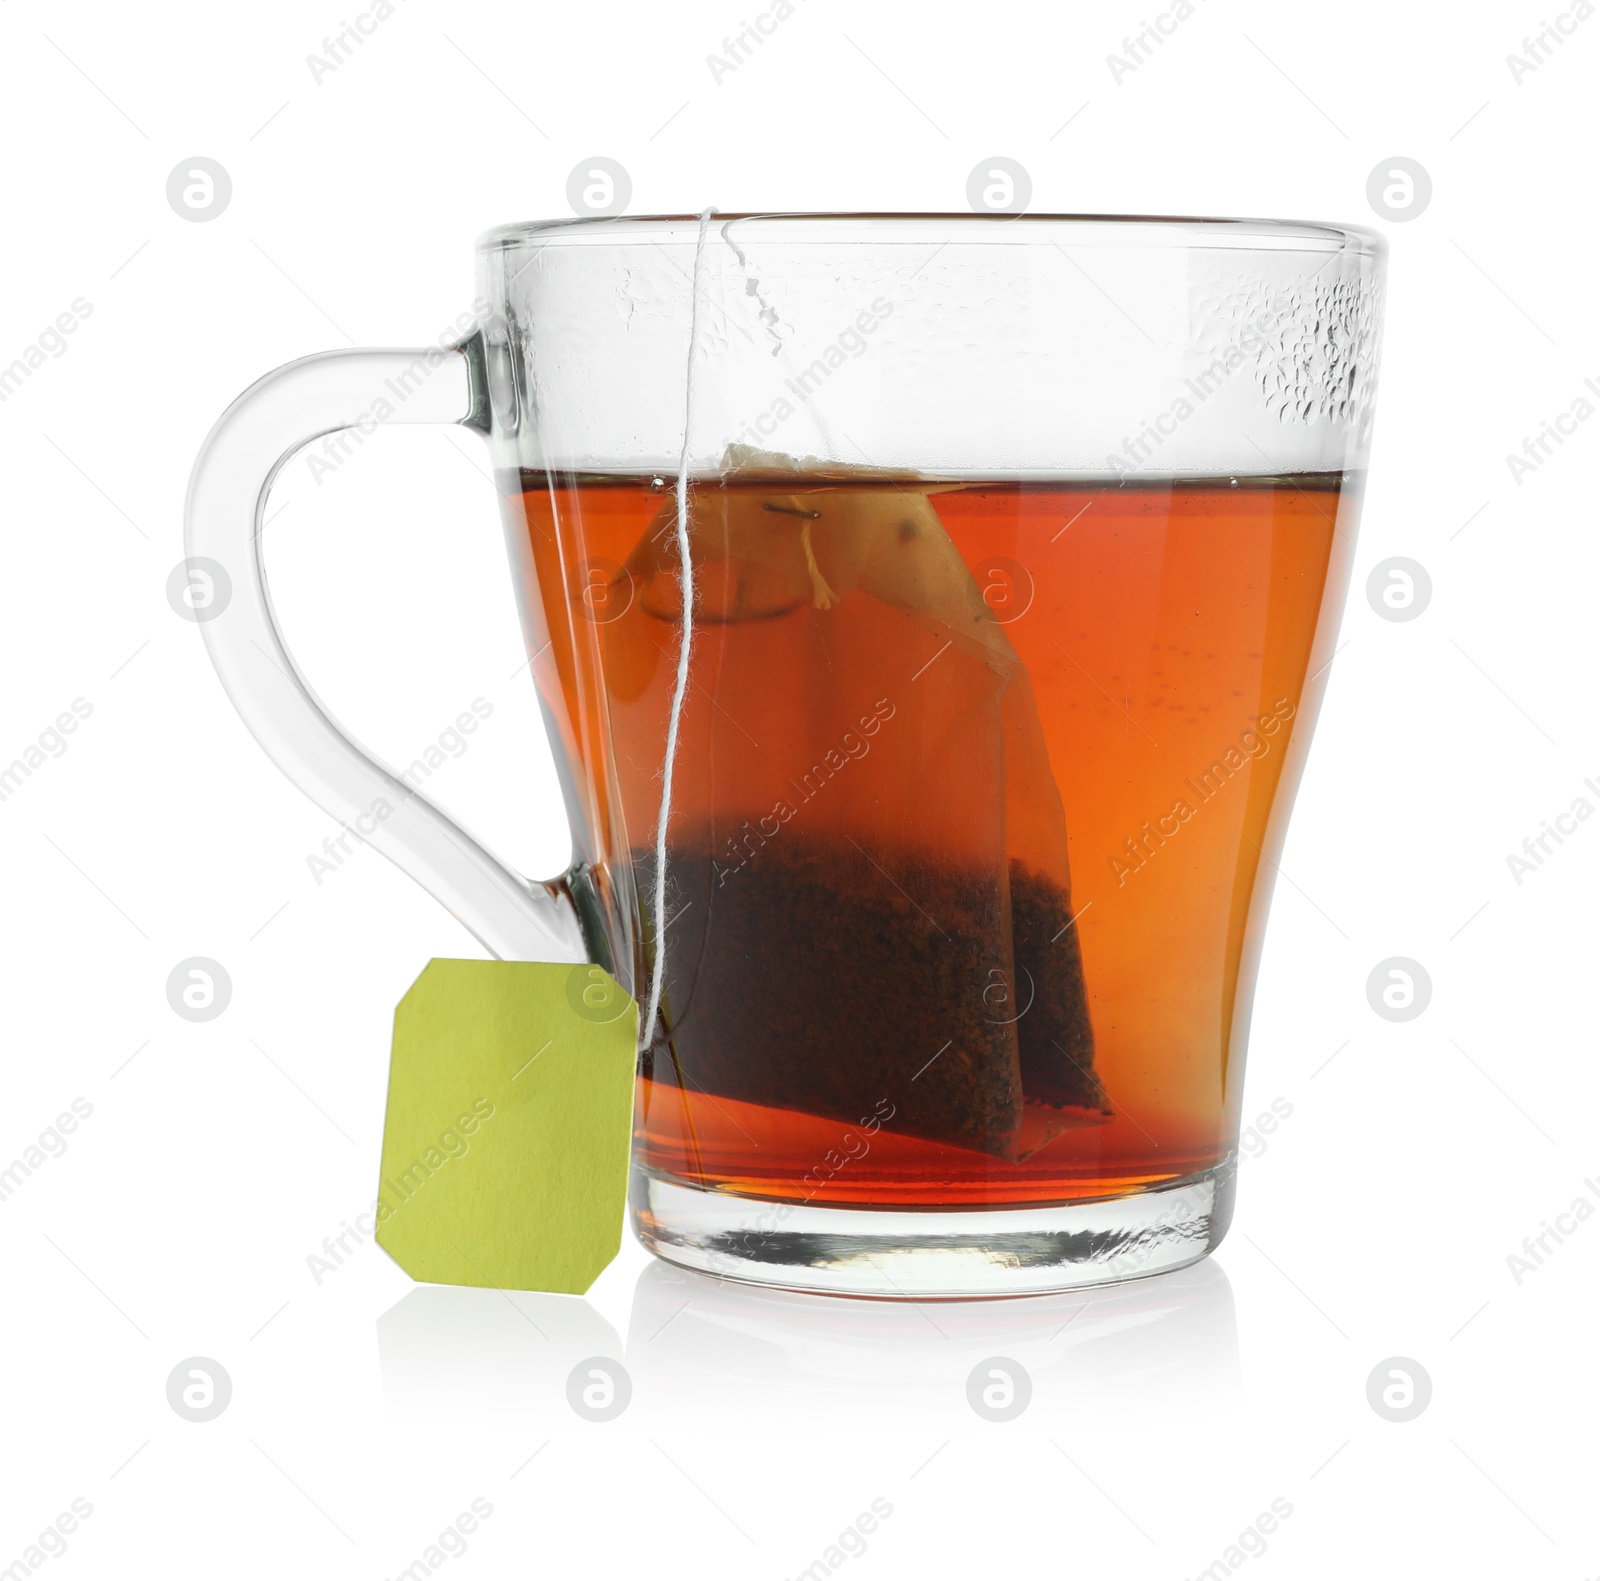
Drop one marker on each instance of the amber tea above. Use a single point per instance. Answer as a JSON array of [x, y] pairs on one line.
[[972, 790]]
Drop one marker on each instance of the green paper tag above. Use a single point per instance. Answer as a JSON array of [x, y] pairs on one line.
[[507, 1133]]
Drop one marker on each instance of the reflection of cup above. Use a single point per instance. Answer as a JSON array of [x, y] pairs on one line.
[[744, 1360], [1014, 552], [470, 1355]]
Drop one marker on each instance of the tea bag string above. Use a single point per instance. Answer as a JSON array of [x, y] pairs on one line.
[[686, 639]]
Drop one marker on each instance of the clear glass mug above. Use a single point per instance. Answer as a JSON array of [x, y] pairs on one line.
[[1015, 549]]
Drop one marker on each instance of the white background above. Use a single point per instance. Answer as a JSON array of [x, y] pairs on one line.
[[367, 1414]]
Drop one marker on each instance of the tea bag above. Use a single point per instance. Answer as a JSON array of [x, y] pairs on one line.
[[895, 937]]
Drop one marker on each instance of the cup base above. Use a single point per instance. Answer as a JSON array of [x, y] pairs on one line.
[[931, 1254]]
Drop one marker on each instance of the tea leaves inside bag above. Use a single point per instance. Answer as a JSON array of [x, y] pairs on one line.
[[868, 857]]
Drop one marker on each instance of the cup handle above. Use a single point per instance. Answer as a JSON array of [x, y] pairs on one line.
[[514, 917]]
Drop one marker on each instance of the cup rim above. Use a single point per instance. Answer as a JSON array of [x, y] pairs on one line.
[[1195, 231]]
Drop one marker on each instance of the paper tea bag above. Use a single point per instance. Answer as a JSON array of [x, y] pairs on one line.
[[876, 901]]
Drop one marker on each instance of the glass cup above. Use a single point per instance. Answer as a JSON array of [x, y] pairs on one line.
[[982, 574]]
